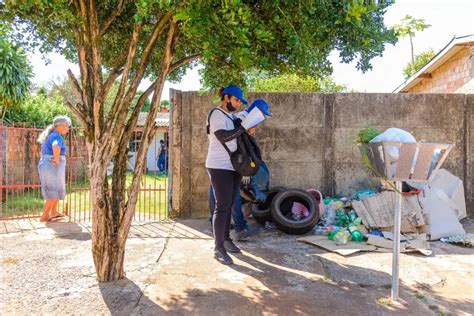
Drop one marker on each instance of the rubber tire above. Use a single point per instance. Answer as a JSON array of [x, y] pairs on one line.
[[281, 205], [262, 212]]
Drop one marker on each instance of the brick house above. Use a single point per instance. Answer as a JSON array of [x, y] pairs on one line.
[[450, 71]]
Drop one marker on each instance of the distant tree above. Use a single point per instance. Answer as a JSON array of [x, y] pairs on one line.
[[408, 28], [293, 83], [165, 104], [38, 110], [15, 74], [420, 60]]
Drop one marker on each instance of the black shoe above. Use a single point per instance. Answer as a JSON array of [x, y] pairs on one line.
[[230, 246], [222, 256]]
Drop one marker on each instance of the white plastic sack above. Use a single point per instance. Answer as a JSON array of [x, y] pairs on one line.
[[442, 213], [254, 118], [394, 135]]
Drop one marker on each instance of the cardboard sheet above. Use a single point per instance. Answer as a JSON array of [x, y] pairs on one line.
[[344, 250], [377, 211]]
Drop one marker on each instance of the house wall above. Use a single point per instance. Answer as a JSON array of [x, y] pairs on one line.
[[153, 150], [450, 77], [309, 140]]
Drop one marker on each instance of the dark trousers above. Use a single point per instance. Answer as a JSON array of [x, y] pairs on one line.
[[238, 217], [226, 185]]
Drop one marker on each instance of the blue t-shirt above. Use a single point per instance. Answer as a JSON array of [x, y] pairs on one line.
[[53, 139]]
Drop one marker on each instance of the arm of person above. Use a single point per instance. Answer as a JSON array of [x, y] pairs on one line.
[[218, 126], [56, 153], [225, 136]]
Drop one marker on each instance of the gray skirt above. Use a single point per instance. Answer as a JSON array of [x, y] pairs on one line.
[[52, 177]]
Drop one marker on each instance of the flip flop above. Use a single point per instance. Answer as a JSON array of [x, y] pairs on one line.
[[57, 216]]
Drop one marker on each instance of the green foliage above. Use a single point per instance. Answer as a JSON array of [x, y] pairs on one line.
[[293, 83], [409, 26], [280, 36], [15, 73], [420, 60], [365, 135], [38, 110]]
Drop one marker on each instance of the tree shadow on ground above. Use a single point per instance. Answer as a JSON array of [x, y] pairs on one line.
[[282, 272]]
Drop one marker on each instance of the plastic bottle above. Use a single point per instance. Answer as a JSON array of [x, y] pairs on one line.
[[344, 219], [331, 232], [355, 232], [352, 215], [342, 237]]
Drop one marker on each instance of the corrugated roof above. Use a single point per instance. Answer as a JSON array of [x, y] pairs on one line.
[[440, 58], [162, 119]]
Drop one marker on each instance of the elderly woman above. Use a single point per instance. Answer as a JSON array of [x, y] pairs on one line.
[[52, 166]]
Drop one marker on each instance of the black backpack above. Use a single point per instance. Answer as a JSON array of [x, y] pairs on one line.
[[246, 159]]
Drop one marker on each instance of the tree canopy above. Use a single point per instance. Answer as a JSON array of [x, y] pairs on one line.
[[229, 36], [15, 72], [293, 83]]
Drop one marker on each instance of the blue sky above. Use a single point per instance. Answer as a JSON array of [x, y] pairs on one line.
[[447, 19]]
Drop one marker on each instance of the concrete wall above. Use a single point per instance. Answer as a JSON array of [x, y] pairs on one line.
[[309, 141], [451, 77]]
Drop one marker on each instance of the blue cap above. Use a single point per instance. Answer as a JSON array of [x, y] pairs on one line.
[[236, 92], [261, 104]]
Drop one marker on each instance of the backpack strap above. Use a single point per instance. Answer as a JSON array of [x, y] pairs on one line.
[[208, 126]]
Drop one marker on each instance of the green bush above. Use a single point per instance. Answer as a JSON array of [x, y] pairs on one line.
[[37, 110]]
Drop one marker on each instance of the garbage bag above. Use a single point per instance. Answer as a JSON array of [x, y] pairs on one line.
[[394, 135]]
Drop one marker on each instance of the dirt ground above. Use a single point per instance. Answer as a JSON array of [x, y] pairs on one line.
[[48, 269]]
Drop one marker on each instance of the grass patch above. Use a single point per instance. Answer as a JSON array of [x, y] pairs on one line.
[[420, 296], [385, 301], [29, 202]]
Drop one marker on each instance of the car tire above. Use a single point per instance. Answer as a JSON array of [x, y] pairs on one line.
[[281, 211]]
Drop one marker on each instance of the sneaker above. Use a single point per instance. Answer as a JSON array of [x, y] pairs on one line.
[[222, 256], [247, 233], [230, 246]]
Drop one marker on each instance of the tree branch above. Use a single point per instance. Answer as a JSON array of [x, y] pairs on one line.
[[75, 84], [79, 114], [132, 48], [116, 12], [96, 68], [118, 112], [149, 126], [184, 61]]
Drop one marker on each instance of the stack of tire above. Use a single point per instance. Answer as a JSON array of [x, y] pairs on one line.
[[277, 209]]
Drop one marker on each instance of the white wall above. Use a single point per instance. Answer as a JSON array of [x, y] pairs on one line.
[[152, 154]]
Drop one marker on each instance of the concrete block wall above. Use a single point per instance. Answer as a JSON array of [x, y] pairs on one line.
[[310, 140]]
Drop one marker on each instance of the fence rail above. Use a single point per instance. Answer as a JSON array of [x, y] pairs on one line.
[[20, 187]]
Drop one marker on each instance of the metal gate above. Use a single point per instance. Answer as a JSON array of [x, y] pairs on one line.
[[20, 188]]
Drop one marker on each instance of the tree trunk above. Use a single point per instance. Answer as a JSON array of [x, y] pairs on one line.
[[412, 51], [108, 245]]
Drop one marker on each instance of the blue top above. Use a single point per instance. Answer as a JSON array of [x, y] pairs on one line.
[[53, 139]]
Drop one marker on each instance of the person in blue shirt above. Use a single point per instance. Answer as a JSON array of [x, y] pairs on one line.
[[162, 156], [52, 166]]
